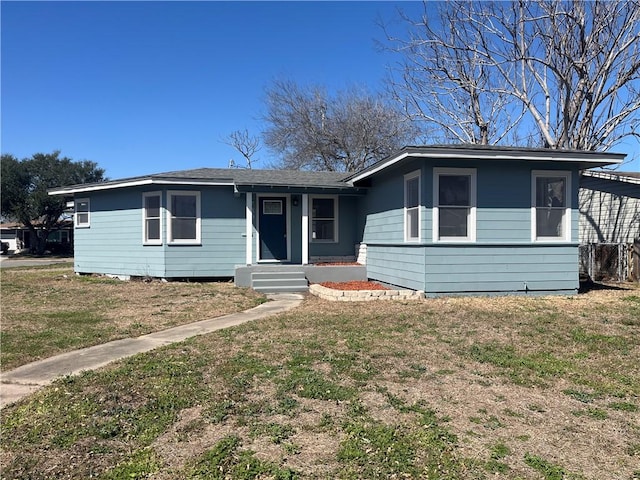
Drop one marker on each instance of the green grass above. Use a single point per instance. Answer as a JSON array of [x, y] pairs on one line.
[[548, 470], [624, 406], [373, 449], [522, 369], [141, 464], [581, 396], [227, 460], [495, 464]]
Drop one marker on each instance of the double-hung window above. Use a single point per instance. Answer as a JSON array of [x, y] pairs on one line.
[[324, 219], [151, 218], [412, 207], [551, 205], [454, 211], [82, 212], [183, 217]]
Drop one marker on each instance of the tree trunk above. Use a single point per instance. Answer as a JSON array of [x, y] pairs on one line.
[[39, 240]]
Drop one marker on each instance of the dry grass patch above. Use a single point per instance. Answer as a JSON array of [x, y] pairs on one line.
[[452, 388], [50, 311]]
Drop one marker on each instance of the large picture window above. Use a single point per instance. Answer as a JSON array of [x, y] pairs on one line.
[[184, 217], [454, 204], [324, 219], [551, 208], [151, 218], [82, 211], [412, 207]]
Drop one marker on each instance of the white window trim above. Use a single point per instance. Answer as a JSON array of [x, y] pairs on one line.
[[471, 220], [410, 176], [336, 209], [76, 223], [198, 239], [566, 236], [145, 241]]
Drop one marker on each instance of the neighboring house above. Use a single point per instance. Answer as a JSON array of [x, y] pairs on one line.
[[19, 237], [610, 224], [442, 219], [609, 207]]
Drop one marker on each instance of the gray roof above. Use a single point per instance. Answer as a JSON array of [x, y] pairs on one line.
[[242, 176], [584, 159], [237, 177], [286, 180]]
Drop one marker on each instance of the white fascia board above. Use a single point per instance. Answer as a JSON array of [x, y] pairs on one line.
[[384, 165], [461, 155], [134, 183], [611, 176]]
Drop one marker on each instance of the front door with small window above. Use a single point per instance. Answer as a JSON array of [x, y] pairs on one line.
[[272, 222]]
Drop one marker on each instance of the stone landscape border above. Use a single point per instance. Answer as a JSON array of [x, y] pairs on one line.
[[363, 295]]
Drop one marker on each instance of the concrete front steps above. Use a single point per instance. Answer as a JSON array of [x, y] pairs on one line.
[[278, 281], [285, 278]]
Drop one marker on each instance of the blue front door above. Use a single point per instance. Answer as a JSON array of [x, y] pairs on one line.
[[273, 228]]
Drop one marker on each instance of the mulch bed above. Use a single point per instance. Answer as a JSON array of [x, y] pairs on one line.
[[333, 264], [354, 285]]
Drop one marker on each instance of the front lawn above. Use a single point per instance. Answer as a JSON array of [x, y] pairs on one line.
[[48, 310], [461, 388]]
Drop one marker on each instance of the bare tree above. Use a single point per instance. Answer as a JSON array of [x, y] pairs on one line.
[[247, 145], [309, 130], [445, 83], [494, 72]]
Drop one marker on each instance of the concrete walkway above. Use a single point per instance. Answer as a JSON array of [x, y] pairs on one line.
[[21, 382]]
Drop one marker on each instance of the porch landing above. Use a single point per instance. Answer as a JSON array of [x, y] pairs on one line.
[[276, 278]]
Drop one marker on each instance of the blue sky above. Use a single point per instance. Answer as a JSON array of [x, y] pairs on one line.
[[146, 87], [143, 87]]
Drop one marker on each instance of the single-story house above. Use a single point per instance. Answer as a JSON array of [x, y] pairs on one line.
[[442, 219], [19, 238], [609, 203]]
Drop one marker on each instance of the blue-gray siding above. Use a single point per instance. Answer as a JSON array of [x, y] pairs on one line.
[[397, 265], [113, 243], [502, 259], [448, 269]]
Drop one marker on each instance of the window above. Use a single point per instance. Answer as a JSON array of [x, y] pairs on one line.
[[412, 207], [184, 217], [324, 219], [82, 206], [454, 191], [272, 207], [551, 209], [151, 218]]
